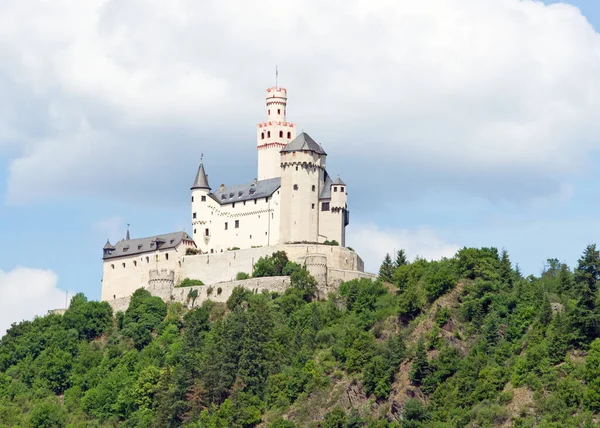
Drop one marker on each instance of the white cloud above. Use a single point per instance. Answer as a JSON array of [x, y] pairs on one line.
[[465, 92], [25, 293], [373, 242]]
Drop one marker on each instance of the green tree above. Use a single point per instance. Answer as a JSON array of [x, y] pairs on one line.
[[420, 364], [144, 314], [401, 259], [301, 280], [386, 271], [48, 414]]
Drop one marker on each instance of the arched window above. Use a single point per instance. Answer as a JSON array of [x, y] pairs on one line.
[[278, 111], [262, 135], [123, 264], [289, 135], [147, 259], [280, 134], [268, 134], [166, 256], [313, 188], [269, 112], [135, 262]]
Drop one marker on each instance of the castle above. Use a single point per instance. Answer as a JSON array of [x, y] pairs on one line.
[[293, 205]]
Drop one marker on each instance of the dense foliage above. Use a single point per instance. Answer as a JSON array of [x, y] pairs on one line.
[[465, 341]]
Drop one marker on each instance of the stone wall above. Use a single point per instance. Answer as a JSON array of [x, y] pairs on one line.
[[336, 276], [272, 284], [223, 267]]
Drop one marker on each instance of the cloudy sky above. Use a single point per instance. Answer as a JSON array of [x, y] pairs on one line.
[[453, 122]]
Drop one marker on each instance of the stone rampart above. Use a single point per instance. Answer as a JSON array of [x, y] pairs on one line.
[[119, 305], [336, 276], [222, 267], [161, 282], [222, 291]]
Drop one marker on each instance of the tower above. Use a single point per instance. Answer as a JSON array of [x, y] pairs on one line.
[[200, 193], [274, 134], [302, 171]]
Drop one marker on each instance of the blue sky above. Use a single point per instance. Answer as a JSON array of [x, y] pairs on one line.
[[470, 125]]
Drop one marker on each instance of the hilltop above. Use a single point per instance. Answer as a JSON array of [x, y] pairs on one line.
[[465, 341]]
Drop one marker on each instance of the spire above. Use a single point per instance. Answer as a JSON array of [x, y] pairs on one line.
[[108, 245], [127, 237], [201, 181]]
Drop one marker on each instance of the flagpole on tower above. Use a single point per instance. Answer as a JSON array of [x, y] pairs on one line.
[[276, 77]]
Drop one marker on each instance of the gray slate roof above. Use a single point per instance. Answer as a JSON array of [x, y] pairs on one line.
[[246, 192], [304, 142], [326, 192], [339, 181], [108, 245], [144, 245], [201, 181]]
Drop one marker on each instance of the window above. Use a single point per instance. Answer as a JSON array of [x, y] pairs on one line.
[[295, 187], [268, 134], [147, 259], [194, 231], [341, 189], [250, 236], [269, 112], [296, 167], [255, 201], [166, 256], [325, 206], [278, 111], [212, 251], [192, 199], [237, 224], [112, 266], [203, 198], [262, 135], [266, 199], [194, 215], [124, 265], [313, 206], [226, 225], [313, 188], [334, 189], [244, 202], [280, 134], [206, 232], [289, 135], [135, 262]]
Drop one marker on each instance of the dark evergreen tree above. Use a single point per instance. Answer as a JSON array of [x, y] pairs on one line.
[[420, 364], [386, 271], [401, 259]]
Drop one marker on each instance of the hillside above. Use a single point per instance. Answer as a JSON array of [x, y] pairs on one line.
[[465, 341]]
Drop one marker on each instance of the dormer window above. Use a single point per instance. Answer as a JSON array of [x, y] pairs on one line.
[[125, 249], [240, 193], [139, 247], [171, 241]]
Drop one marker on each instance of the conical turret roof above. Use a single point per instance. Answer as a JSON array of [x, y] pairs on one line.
[[304, 142], [201, 181], [108, 245]]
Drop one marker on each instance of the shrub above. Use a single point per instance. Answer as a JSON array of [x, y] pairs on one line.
[[241, 276], [219, 291], [333, 243], [209, 290], [191, 251], [187, 282]]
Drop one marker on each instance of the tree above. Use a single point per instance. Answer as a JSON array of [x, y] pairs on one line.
[[144, 314], [401, 259], [386, 271], [420, 365], [303, 281], [48, 414], [90, 319]]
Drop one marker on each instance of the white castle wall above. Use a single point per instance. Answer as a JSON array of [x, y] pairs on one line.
[[214, 268], [122, 276], [258, 223]]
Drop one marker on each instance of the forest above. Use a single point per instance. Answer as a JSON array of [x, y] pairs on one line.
[[466, 341]]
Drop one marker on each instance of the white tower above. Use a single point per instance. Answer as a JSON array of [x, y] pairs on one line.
[[302, 169], [274, 134], [200, 212]]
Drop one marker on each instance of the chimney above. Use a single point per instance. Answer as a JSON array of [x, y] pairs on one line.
[[255, 182], [222, 187]]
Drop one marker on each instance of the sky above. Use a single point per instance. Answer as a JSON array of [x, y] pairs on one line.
[[453, 123]]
